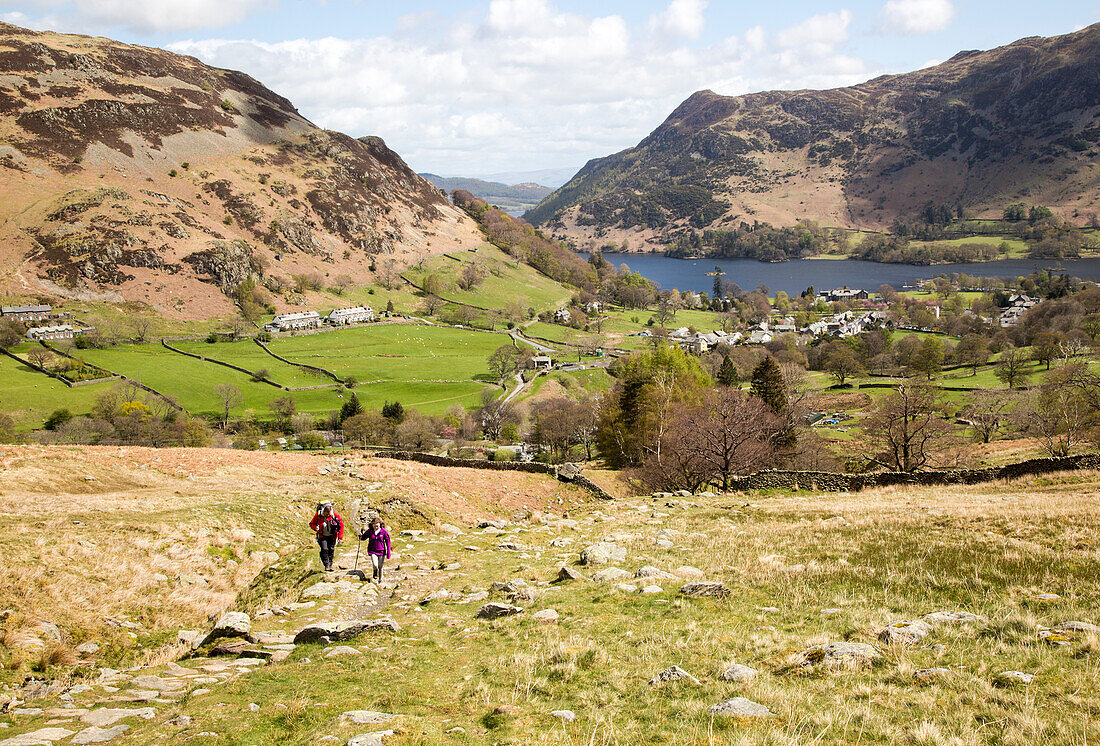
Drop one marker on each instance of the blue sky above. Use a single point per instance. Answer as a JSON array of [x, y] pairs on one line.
[[517, 85]]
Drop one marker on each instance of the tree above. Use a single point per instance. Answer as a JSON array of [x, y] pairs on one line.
[[1091, 325], [988, 414], [228, 396], [503, 361], [973, 350], [351, 408], [1044, 348], [57, 418], [727, 372], [1064, 409], [929, 360], [841, 362], [40, 356], [283, 408], [906, 429], [416, 432], [367, 428], [432, 303], [471, 276], [1012, 366], [11, 334], [768, 384], [494, 414], [393, 411]]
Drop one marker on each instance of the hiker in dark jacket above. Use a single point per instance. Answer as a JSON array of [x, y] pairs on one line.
[[378, 546], [329, 527]]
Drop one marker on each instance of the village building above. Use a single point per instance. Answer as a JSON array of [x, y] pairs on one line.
[[760, 337], [1018, 305], [562, 315], [356, 315], [593, 307], [785, 324], [289, 321], [541, 362], [25, 313], [57, 331], [844, 294]]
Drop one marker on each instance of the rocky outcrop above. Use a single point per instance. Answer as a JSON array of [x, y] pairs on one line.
[[226, 263]]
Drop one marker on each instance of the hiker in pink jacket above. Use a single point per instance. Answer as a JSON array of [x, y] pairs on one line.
[[378, 546]]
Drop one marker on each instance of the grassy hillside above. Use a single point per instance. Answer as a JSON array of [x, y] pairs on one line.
[[801, 571]]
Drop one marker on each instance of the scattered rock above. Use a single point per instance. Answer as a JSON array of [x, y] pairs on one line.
[[1048, 597], [370, 739], [41, 737], [926, 675], [568, 573], [611, 575], [707, 589], [339, 631], [649, 571], [742, 708], [447, 528], [738, 672], [566, 715], [87, 648], [367, 717], [1013, 678], [93, 734], [494, 610], [1072, 627], [546, 616], [189, 637], [674, 673], [838, 655], [938, 618], [649, 590], [341, 651], [106, 717], [831, 612], [232, 624], [603, 553], [906, 632]]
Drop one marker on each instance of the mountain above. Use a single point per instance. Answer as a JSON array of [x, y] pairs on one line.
[[551, 177], [130, 173], [514, 199], [1020, 123]]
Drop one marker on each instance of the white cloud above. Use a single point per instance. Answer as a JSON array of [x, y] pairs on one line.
[[682, 19], [525, 85], [146, 16], [917, 16]]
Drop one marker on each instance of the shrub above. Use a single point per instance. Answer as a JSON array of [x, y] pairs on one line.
[[312, 441], [57, 418], [227, 104]]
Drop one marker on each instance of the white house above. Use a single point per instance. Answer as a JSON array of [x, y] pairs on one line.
[[356, 315], [562, 315], [760, 337], [59, 331], [287, 321]]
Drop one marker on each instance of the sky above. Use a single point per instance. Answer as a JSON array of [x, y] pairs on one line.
[[479, 88]]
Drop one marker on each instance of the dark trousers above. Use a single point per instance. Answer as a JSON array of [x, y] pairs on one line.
[[328, 547], [377, 560]]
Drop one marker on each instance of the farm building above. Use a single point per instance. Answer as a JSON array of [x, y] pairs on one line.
[[541, 361], [25, 313], [287, 321], [355, 315], [59, 331], [562, 315]]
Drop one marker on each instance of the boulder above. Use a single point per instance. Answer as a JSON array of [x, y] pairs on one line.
[[650, 590], [495, 610], [649, 571], [231, 624], [448, 528], [611, 575], [566, 715], [1074, 626], [106, 717], [341, 651], [40, 737], [839, 655], [367, 717], [546, 616], [938, 618], [340, 631], [926, 675], [705, 589], [906, 632], [93, 734], [741, 708], [674, 673], [737, 672], [568, 573], [689, 573], [603, 553]]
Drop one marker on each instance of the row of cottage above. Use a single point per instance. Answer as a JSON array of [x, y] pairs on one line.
[[28, 315], [286, 322]]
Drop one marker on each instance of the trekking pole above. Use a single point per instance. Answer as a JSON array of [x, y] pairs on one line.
[[357, 534]]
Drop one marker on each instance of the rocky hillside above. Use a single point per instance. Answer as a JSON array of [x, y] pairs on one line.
[[129, 173], [980, 131]]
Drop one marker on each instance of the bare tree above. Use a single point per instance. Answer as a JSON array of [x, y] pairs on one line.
[[503, 361], [432, 303], [40, 356], [1012, 366], [906, 428], [988, 414], [1063, 411], [228, 396], [494, 415], [736, 433], [142, 326]]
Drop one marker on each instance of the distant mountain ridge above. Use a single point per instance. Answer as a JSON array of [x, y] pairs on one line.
[[514, 199], [133, 174], [1020, 123]]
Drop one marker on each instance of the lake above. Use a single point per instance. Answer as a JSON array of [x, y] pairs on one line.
[[798, 274]]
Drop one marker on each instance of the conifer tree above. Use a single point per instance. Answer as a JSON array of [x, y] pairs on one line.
[[727, 373], [768, 384]]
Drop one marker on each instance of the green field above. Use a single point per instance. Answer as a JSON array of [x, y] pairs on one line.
[[506, 282], [29, 396], [249, 355]]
